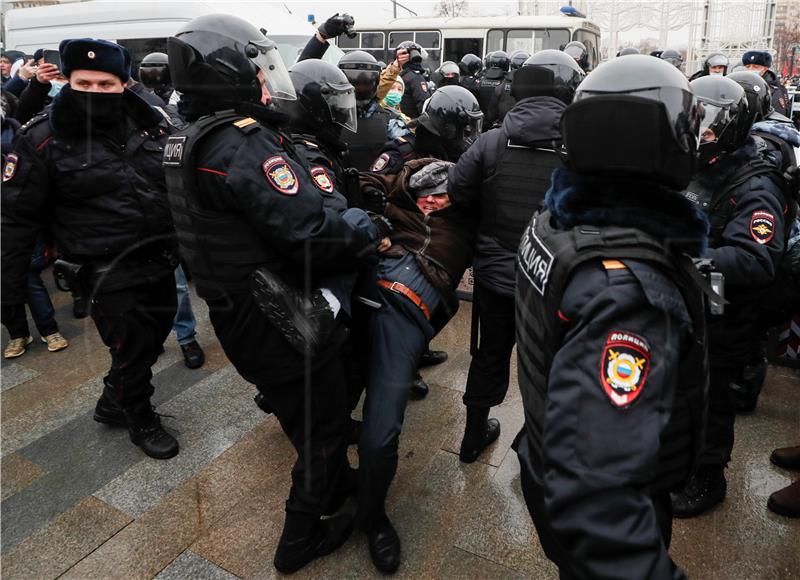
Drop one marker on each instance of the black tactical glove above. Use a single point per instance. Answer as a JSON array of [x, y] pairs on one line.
[[336, 25], [373, 199], [383, 225]]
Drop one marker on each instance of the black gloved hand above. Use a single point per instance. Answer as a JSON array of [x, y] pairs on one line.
[[373, 199], [383, 225], [336, 25]]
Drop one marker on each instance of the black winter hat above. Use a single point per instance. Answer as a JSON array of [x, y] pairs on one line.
[[94, 54], [38, 53], [761, 57]]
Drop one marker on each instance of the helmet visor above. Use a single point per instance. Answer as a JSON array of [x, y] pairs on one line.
[[472, 129], [154, 77], [716, 118], [276, 76], [717, 60], [364, 81], [575, 52], [341, 100]]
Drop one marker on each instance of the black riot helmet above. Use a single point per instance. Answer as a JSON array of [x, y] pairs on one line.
[[714, 60], [759, 99], [628, 50], [498, 59], [221, 56], [548, 73], [634, 117], [325, 97], [415, 52], [726, 118], [448, 73], [577, 50], [518, 58], [673, 57], [363, 72], [154, 72], [470, 64], [454, 115]]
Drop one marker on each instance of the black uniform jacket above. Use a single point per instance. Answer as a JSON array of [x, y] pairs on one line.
[[417, 90], [99, 196]]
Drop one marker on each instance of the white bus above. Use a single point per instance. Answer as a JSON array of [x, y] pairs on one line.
[[452, 38], [143, 27]]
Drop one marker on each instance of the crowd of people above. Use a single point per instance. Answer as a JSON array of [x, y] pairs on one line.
[[633, 233]]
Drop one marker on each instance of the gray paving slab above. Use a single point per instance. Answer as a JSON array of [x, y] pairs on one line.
[[15, 374], [190, 565], [211, 416], [80, 457]]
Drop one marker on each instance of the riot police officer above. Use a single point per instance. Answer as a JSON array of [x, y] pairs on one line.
[[245, 207], [518, 159], [518, 58], [413, 75], [628, 50], [610, 327], [497, 65], [745, 203], [448, 74], [714, 64], [502, 100], [154, 74], [673, 57], [471, 67], [376, 124], [577, 50]]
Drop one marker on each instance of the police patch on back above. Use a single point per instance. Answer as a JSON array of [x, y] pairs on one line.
[[173, 151], [535, 259]]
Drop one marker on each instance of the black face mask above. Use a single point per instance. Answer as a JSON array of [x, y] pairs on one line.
[[104, 109]]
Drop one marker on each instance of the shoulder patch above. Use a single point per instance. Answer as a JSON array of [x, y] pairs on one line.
[[246, 122], [762, 226], [624, 367], [10, 168], [535, 259], [380, 163], [280, 175], [173, 151], [613, 265], [321, 179]]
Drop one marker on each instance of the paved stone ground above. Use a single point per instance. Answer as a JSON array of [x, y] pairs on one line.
[[79, 501]]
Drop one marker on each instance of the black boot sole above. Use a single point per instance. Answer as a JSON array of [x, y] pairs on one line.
[[271, 297]]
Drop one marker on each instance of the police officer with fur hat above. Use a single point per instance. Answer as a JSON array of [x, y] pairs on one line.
[[501, 180], [88, 170], [610, 327], [249, 217], [760, 62]]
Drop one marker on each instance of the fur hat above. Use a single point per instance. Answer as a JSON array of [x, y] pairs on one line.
[[94, 54], [761, 57]]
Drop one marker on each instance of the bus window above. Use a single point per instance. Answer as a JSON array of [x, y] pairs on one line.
[[589, 39], [494, 41], [371, 40], [348, 43], [533, 41], [427, 40], [396, 38], [456, 48]]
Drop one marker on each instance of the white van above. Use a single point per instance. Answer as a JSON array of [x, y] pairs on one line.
[[143, 26]]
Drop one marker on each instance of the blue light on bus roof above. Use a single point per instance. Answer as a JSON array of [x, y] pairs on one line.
[[571, 11], [310, 18]]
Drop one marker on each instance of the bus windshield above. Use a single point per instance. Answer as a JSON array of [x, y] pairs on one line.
[[529, 40]]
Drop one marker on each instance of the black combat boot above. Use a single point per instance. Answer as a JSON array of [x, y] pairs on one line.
[[419, 388], [146, 431], [704, 489], [384, 545], [430, 358], [306, 323], [304, 540], [479, 433]]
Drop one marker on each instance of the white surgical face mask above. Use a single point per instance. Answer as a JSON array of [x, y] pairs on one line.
[[55, 87]]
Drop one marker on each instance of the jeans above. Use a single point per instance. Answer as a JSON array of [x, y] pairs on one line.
[[184, 323], [39, 303]]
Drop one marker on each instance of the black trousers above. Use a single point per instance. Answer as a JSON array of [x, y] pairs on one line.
[[553, 549], [133, 323], [311, 404], [487, 382], [718, 442]]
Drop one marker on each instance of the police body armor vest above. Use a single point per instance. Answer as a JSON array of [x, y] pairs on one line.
[[547, 258], [217, 246], [367, 142], [516, 188], [486, 92]]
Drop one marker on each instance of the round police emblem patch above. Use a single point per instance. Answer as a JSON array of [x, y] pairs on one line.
[[624, 367], [380, 163], [10, 167], [321, 179], [280, 175], [762, 226]]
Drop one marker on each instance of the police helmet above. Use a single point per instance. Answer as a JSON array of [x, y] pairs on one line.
[[634, 117], [453, 114], [759, 99], [324, 96], [628, 50], [220, 56], [363, 71], [548, 73], [498, 59], [448, 73], [577, 50], [470, 64], [726, 119], [154, 72], [518, 58], [715, 60], [673, 57]]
